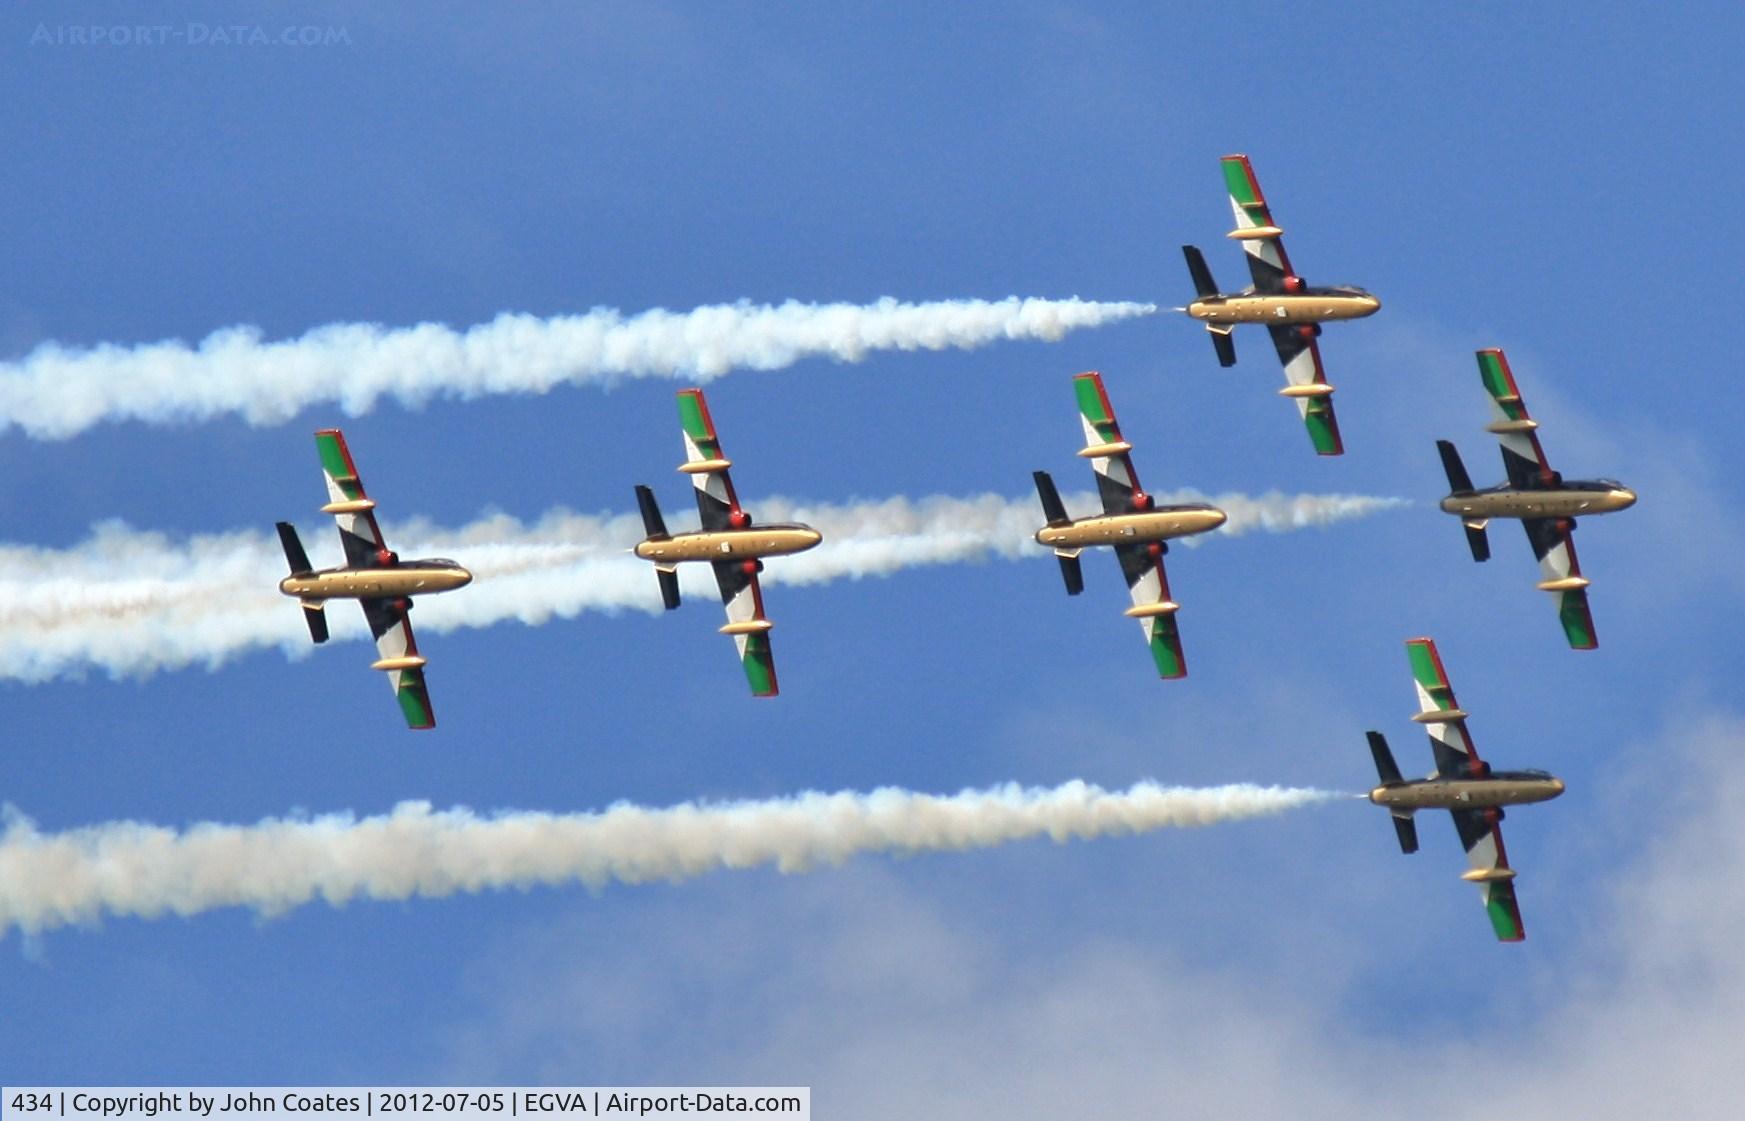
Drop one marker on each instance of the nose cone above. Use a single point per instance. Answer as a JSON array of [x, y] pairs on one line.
[[462, 577], [285, 586], [1215, 518], [809, 536], [1556, 787], [1623, 498], [1370, 305]]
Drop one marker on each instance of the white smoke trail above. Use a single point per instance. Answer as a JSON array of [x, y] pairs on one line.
[[133, 602], [130, 868], [57, 391]]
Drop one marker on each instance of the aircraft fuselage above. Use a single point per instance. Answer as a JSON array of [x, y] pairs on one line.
[[1566, 501], [1159, 524], [771, 540], [1311, 305], [1500, 788], [397, 581]]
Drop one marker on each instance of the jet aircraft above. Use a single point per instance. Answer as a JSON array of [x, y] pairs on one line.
[[1292, 310], [728, 540], [373, 574], [1545, 502], [1135, 526], [1464, 785]]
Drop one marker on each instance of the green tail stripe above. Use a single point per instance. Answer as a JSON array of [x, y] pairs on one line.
[[1237, 182], [1092, 408], [1496, 382], [1500, 905], [414, 700], [333, 462], [1424, 670], [760, 665], [1166, 648], [1319, 422], [1578, 624], [691, 416]]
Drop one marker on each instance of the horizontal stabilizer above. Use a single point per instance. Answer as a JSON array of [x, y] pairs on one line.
[[1385, 766], [1204, 285], [1407, 831], [1224, 345], [669, 587], [1478, 542], [652, 522], [1458, 480], [1052, 507], [1071, 572], [293, 546], [317, 620]]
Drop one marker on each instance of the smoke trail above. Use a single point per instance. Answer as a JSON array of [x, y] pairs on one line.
[[133, 602], [57, 391], [130, 868]]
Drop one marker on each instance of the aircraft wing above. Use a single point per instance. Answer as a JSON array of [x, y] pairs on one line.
[[1262, 241], [1148, 585], [1301, 358], [1482, 837], [743, 598], [716, 501], [1456, 758], [1523, 457], [1117, 484], [1118, 487], [1553, 543], [396, 647], [1440, 715], [346, 501]]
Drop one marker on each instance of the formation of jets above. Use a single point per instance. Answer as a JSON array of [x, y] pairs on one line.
[[1131, 523]]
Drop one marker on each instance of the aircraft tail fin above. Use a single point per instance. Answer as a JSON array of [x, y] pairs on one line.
[[1071, 572], [1052, 507], [1055, 511], [1204, 285], [1385, 766], [651, 519], [1407, 831], [315, 615], [669, 587], [1459, 482], [300, 566], [1404, 827], [656, 527], [293, 546], [1224, 345]]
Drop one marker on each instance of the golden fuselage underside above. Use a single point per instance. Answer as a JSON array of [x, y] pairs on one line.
[[1131, 529], [730, 544], [1538, 503], [1281, 308], [1466, 794], [396, 582]]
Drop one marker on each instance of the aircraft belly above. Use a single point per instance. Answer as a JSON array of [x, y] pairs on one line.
[[1529, 504], [1464, 794], [1280, 309], [728, 545], [1129, 529]]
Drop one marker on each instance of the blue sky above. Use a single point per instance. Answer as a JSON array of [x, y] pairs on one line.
[[1498, 177]]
